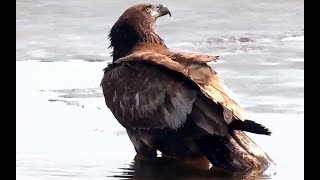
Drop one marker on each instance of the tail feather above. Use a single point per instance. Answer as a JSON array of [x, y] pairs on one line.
[[251, 147], [236, 151], [249, 126]]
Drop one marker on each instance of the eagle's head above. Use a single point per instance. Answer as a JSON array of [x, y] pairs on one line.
[[145, 13], [136, 24]]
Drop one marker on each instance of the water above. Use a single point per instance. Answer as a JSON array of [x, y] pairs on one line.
[[64, 129]]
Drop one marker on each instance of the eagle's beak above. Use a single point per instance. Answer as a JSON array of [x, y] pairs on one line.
[[160, 10]]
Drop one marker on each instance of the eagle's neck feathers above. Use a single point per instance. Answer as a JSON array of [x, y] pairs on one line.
[[124, 38]]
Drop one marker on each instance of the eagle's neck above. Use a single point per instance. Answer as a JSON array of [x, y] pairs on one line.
[[125, 39]]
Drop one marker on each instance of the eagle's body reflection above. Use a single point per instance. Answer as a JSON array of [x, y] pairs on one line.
[[187, 169]]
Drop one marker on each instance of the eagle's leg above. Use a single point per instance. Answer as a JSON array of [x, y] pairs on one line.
[[143, 145], [176, 147]]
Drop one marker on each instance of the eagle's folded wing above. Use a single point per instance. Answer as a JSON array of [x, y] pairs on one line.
[[202, 74]]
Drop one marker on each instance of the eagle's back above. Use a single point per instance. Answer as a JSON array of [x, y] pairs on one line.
[[144, 95]]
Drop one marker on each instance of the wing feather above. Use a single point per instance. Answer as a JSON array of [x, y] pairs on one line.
[[190, 57], [157, 100], [208, 81]]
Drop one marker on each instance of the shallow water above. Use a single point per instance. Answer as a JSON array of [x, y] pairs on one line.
[[64, 129]]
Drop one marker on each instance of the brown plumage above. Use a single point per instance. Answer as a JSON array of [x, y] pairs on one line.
[[173, 101]]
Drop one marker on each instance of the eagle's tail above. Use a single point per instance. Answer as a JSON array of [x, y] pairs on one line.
[[249, 126], [236, 151]]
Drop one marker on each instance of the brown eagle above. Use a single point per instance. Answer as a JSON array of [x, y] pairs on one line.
[[173, 101]]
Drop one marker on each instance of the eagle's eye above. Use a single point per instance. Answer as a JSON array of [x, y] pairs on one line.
[[148, 9]]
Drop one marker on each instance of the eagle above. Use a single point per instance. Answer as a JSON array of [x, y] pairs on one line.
[[174, 102]]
